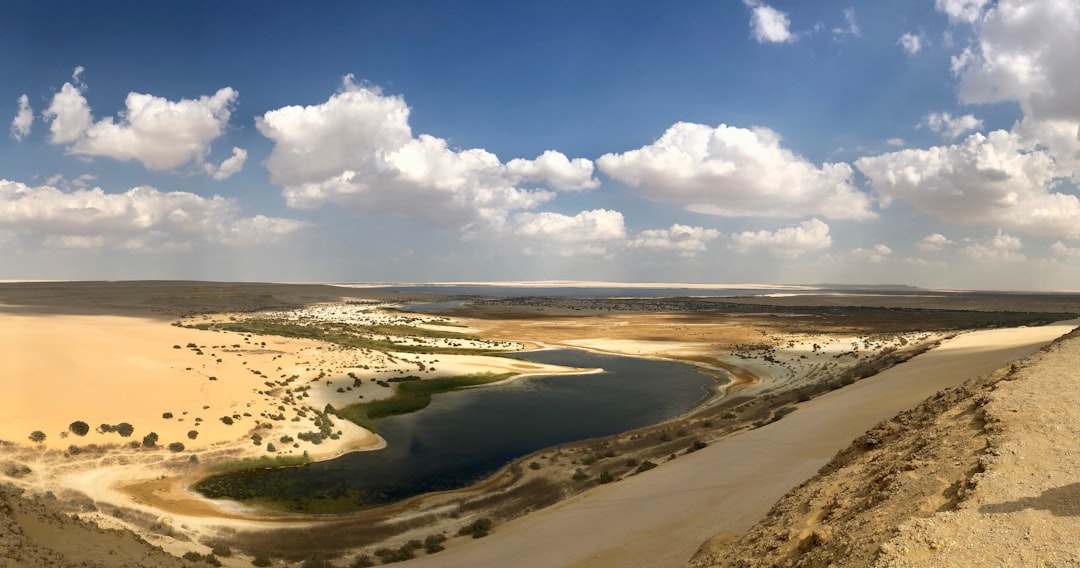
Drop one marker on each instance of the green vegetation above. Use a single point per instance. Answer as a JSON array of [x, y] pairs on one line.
[[250, 464], [37, 436], [412, 396], [376, 337], [478, 529], [79, 428]]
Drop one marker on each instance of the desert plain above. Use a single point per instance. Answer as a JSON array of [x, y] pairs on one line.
[[121, 396]]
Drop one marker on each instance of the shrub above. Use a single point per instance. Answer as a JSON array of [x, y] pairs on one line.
[[317, 561], [478, 529], [261, 560], [433, 543], [176, 447], [270, 447], [37, 436], [222, 550], [697, 445], [124, 429], [73, 450], [645, 466], [362, 561], [606, 477], [192, 434], [150, 440], [166, 415], [227, 420], [580, 475], [79, 428]]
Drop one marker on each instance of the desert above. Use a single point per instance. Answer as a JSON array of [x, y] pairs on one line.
[[215, 378]]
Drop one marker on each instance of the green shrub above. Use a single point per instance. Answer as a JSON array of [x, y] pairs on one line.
[[261, 560], [37, 436], [124, 429], [176, 447], [645, 466], [150, 440], [192, 434], [79, 428]]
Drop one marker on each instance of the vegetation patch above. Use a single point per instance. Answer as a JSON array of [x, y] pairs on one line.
[[412, 396]]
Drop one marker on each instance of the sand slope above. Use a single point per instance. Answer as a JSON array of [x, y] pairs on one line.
[[661, 517]]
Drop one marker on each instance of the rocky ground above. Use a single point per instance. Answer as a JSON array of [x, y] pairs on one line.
[[981, 475], [33, 534]]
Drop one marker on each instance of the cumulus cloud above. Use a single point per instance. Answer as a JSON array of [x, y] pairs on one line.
[[229, 166], [24, 118], [554, 169], [911, 43], [933, 242], [1061, 249], [593, 232], [966, 11], [1001, 248], [897, 142], [875, 254], [730, 171], [68, 114], [687, 241], [1025, 53], [946, 125], [769, 25], [991, 179], [787, 242], [140, 218], [358, 150], [159, 133]]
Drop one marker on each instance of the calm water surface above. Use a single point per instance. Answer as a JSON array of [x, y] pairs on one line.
[[466, 435]]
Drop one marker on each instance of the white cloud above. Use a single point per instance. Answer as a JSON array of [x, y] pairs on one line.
[[911, 43], [897, 142], [875, 254], [68, 114], [159, 133], [852, 24], [229, 166], [731, 171], [787, 242], [24, 118], [1026, 52], [944, 123], [767, 24], [1000, 248], [554, 169], [933, 242], [966, 11], [991, 179], [140, 218], [1061, 249], [687, 241], [593, 232], [357, 150]]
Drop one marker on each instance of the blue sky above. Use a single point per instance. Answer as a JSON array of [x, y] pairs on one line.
[[932, 143]]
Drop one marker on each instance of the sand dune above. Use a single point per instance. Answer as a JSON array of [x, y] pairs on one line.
[[661, 517]]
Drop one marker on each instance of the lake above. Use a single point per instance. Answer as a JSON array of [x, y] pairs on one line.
[[466, 435]]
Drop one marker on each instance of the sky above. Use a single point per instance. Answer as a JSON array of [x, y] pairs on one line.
[[930, 142]]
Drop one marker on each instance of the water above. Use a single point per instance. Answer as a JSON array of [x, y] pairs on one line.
[[465, 436], [583, 292]]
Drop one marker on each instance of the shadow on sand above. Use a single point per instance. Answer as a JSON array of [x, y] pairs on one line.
[[1061, 501]]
